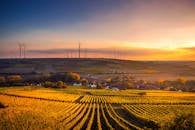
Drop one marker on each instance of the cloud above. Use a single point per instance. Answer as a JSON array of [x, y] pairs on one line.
[[192, 49], [155, 23], [129, 51], [124, 53], [163, 24], [112, 52]]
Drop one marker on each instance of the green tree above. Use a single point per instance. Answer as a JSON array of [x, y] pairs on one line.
[[2, 79], [190, 84], [60, 84], [72, 77], [48, 84], [45, 77], [100, 86], [14, 78], [181, 81], [128, 85], [108, 80], [84, 82], [180, 84]]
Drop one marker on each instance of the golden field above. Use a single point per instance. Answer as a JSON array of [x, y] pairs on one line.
[[83, 108]]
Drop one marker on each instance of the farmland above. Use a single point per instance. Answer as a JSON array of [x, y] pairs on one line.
[[97, 65], [84, 108]]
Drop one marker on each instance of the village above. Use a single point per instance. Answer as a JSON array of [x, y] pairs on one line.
[[114, 82]]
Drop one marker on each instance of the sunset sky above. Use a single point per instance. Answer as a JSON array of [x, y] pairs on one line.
[[128, 29]]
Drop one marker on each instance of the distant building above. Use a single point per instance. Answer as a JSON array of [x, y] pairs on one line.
[[115, 89], [77, 84], [107, 87], [93, 85]]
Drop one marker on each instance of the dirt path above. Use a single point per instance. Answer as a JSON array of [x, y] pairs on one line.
[[142, 123], [79, 99]]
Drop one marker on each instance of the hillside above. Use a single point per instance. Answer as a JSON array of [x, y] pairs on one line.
[[151, 70]]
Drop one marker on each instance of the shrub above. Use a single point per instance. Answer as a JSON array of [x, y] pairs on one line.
[[181, 81], [1, 105], [14, 78], [64, 86], [128, 85], [2, 79], [182, 122], [100, 86], [172, 89], [72, 77], [84, 82], [108, 80], [60, 84], [48, 84]]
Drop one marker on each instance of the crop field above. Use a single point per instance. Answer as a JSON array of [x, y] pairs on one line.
[[82, 108]]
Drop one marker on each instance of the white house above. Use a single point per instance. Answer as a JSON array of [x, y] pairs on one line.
[[107, 87], [93, 85], [115, 89], [77, 84]]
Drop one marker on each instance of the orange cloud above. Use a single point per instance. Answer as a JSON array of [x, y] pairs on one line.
[[121, 53]]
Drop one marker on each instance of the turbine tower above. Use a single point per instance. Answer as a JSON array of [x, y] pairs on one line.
[[79, 50], [22, 50]]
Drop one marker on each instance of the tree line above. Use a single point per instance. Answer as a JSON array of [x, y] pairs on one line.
[[61, 80]]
